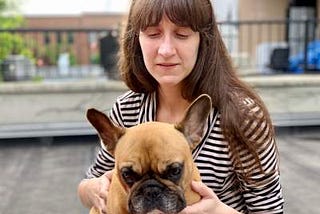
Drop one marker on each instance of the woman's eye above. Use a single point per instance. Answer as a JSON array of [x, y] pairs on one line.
[[153, 35], [182, 36], [151, 32]]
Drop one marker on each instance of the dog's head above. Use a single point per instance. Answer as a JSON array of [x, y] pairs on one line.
[[153, 160]]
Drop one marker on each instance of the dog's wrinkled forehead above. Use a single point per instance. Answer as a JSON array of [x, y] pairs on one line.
[[160, 143]]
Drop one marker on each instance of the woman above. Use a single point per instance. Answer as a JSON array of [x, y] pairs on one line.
[[171, 52]]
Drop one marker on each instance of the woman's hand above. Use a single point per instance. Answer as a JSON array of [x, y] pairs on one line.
[[209, 202], [93, 192]]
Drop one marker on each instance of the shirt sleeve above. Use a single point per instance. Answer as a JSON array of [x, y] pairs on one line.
[[262, 190], [103, 163]]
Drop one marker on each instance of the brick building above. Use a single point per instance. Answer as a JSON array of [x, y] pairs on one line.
[[77, 34], [83, 20]]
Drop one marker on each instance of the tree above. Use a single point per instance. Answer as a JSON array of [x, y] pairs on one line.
[[2, 5], [9, 19]]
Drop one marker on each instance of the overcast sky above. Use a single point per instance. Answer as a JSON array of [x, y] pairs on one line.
[[56, 7]]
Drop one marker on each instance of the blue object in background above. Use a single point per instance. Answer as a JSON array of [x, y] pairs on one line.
[[296, 62]]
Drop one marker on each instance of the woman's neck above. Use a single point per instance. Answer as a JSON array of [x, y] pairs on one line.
[[171, 106]]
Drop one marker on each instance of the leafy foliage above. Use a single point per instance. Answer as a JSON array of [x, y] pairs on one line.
[[11, 43]]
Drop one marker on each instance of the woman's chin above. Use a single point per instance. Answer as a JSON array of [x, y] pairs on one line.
[[169, 81]]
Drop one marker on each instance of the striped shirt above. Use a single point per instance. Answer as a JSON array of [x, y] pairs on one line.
[[212, 157]]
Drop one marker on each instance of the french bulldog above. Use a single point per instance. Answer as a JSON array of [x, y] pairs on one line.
[[153, 161]]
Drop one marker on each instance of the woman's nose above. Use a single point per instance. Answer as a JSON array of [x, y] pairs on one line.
[[166, 48]]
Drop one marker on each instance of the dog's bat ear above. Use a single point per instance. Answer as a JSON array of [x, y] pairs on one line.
[[194, 121], [108, 132]]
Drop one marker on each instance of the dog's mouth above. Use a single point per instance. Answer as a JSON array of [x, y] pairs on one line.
[[168, 204], [155, 212], [154, 197]]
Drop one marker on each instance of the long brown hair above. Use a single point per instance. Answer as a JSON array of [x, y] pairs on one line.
[[213, 73]]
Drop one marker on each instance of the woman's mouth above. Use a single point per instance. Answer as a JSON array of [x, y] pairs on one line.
[[167, 64]]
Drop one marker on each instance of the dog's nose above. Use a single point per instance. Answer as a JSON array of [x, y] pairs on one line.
[[152, 192]]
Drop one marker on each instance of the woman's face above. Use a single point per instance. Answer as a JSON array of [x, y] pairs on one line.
[[169, 51]]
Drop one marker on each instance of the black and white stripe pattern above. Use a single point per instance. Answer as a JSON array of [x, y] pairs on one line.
[[213, 156]]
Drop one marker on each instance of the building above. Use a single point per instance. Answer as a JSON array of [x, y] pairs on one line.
[[78, 34], [252, 29], [265, 25]]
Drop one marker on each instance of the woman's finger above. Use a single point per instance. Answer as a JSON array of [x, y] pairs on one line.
[[202, 189]]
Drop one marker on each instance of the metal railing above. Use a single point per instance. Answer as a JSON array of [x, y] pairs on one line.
[[60, 53], [256, 47], [267, 47]]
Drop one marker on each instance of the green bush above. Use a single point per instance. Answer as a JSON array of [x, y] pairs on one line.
[[11, 43]]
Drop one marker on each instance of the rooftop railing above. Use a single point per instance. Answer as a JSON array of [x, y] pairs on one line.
[[59, 53], [269, 47], [256, 48]]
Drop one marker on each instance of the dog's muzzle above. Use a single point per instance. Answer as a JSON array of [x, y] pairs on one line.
[[153, 196]]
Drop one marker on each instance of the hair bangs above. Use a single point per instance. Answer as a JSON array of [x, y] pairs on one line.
[[146, 13], [186, 13]]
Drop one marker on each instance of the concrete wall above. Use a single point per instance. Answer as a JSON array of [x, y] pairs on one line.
[[53, 109], [55, 101], [289, 94], [59, 108]]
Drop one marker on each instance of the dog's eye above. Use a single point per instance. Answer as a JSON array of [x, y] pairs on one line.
[[173, 172], [129, 176]]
